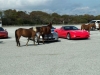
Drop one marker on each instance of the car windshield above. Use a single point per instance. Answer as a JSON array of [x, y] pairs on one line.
[[92, 22], [53, 28], [70, 28], [1, 29], [98, 21]]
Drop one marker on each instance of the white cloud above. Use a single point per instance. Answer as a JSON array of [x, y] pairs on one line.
[[50, 6], [34, 2], [48, 11], [84, 10], [81, 8], [18, 4]]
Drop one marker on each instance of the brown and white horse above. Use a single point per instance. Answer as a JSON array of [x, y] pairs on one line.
[[88, 27], [29, 33]]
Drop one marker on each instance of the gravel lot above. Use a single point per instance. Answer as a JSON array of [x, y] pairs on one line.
[[65, 57]]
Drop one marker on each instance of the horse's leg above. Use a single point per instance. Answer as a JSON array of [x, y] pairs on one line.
[[17, 38], [47, 35], [51, 35], [38, 37], [43, 38], [81, 28], [89, 29], [34, 40], [27, 41], [18, 42]]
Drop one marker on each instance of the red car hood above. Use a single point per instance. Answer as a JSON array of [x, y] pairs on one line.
[[80, 31]]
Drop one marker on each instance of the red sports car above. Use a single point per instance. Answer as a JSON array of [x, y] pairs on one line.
[[72, 32], [3, 33]]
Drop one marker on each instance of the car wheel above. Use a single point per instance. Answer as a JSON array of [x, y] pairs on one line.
[[68, 36]]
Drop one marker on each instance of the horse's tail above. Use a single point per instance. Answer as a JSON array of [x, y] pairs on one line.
[[16, 37]]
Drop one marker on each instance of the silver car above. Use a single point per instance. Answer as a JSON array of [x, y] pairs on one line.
[[50, 38]]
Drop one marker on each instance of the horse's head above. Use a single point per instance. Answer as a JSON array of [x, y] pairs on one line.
[[50, 25]]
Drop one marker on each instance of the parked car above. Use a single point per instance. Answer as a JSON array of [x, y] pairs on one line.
[[97, 22], [72, 32], [3, 33], [55, 36]]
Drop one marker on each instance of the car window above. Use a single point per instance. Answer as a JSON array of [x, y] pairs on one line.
[[53, 28], [70, 28], [67, 28], [75, 28], [1, 29], [98, 21]]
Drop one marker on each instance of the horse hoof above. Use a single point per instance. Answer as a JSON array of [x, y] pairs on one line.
[[18, 46], [26, 45]]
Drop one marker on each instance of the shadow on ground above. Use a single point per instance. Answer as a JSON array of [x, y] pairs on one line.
[[40, 43]]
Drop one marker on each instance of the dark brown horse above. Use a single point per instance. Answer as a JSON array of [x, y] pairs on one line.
[[29, 33], [88, 27], [44, 30]]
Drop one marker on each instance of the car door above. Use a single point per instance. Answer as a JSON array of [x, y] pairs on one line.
[[59, 31], [63, 32]]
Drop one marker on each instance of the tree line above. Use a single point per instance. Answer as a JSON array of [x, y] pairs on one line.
[[14, 17]]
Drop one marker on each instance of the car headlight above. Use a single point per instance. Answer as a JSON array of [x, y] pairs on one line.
[[74, 35]]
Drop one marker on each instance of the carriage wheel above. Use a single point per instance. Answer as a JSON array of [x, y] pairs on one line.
[[68, 36]]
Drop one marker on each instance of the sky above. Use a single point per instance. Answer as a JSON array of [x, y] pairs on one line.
[[62, 7]]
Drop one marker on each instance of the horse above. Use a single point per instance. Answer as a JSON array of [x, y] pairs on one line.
[[88, 27], [44, 30], [29, 33]]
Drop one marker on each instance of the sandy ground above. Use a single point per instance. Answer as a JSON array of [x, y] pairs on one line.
[[65, 57]]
